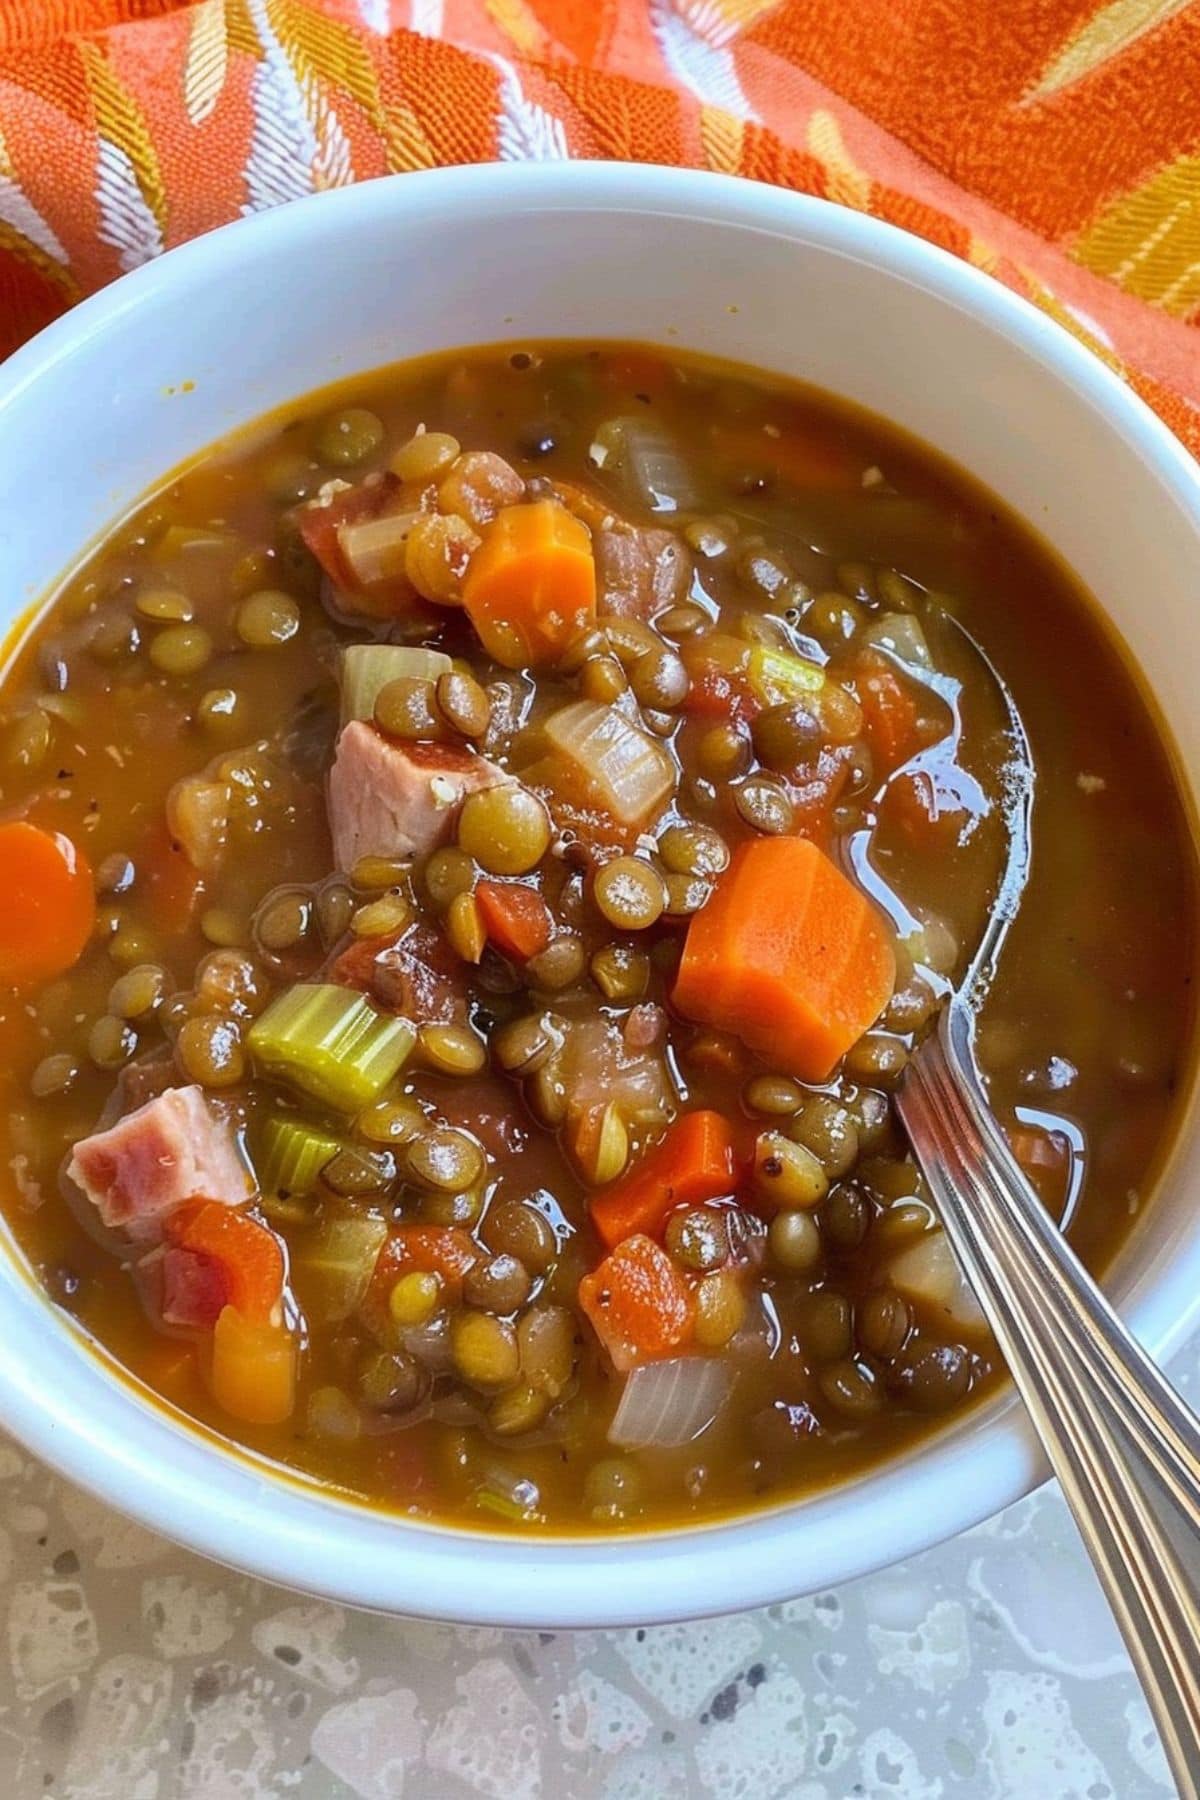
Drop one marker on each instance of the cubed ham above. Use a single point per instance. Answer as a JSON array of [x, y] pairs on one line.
[[639, 574], [398, 800], [195, 1287], [170, 1150]]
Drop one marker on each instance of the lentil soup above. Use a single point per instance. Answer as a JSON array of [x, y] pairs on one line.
[[478, 852]]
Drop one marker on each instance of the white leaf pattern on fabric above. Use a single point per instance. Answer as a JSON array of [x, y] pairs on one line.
[[376, 15], [698, 61], [526, 132], [426, 17], [126, 222], [18, 210], [283, 147]]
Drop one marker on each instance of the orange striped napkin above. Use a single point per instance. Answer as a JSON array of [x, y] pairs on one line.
[[1054, 143]]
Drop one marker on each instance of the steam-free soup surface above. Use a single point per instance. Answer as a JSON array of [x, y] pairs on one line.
[[481, 849]]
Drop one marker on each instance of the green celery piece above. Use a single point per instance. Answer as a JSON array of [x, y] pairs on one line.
[[368, 667], [779, 677], [292, 1156], [333, 1270], [331, 1044]]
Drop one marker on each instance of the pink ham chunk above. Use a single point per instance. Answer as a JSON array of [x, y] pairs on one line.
[[170, 1150], [640, 573], [398, 800]]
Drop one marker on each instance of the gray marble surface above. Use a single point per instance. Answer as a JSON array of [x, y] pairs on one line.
[[987, 1669]]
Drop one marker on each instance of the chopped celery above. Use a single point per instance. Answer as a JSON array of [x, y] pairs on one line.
[[331, 1043], [779, 677], [292, 1156], [511, 1497], [368, 667], [334, 1268]]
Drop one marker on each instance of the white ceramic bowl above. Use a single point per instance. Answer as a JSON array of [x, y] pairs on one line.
[[95, 410]]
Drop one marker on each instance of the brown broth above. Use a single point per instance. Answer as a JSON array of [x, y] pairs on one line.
[[1088, 1029]]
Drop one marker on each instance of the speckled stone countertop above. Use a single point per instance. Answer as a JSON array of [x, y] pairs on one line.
[[988, 1669]]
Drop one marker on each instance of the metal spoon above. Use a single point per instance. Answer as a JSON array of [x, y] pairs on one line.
[[1125, 1448]]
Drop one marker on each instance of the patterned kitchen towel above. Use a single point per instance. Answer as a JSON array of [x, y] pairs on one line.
[[1054, 143]]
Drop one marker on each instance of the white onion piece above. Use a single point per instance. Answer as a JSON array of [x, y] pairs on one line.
[[904, 636], [198, 819], [651, 461], [375, 548], [927, 1271], [604, 755], [368, 667], [670, 1403]]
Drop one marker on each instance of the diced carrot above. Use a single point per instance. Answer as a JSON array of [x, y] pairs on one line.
[[694, 1162], [253, 1371], [789, 955], [530, 587], [173, 885], [49, 904], [248, 1253], [800, 458], [889, 712], [639, 1305], [515, 918], [1045, 1159], [638, 371]]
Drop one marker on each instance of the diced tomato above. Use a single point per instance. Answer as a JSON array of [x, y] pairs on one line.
[[638, 1303], [890, 715], [716, 694], [515, 918], [933, 804], [320, 521], [815, 795], [195, 1287], [441, 1250]]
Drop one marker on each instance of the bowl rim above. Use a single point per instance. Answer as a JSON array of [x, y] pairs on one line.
[[338, 1548]]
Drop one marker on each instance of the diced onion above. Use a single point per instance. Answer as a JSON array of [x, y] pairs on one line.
[[670, 1403], [652, 462], [603, 755], [928, 1273], [198, 819], [368, 667], [903, 635], [375, 548]]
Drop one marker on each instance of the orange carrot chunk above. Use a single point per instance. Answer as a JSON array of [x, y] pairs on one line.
[[49, 905], [788, 955], [253, 1369], [693, 1163], [530, 587], [248, 1254], [638, 1303], [516, 919]]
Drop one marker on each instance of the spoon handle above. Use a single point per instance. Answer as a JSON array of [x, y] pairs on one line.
[[1123, 1445]]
